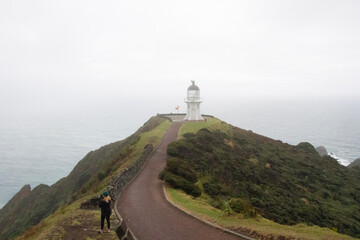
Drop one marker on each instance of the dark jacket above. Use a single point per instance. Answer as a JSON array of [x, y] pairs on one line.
[[105, 207]]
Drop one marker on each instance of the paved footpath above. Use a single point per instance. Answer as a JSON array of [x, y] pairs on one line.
[[146, 212]]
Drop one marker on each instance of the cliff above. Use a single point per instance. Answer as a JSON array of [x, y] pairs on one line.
[[322, 151], [355, 163]]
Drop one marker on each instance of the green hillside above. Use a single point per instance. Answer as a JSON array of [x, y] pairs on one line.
[[90, 176], [242, 172]]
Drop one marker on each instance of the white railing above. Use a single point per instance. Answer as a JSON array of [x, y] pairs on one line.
[[196, 99]]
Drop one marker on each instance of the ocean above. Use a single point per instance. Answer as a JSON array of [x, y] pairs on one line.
[[43, 145]]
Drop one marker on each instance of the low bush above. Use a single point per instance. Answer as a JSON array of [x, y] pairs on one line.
[[181, 183], [241, 206], [213, 189], [188, 135], [101, 175], [181, 168]]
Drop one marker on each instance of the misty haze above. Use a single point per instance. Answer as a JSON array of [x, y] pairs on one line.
[[76, 76]]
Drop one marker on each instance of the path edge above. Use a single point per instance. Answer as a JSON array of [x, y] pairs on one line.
[[123, 228], [202, 220]]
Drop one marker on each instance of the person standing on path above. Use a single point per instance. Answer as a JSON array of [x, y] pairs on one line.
[[105, 205]]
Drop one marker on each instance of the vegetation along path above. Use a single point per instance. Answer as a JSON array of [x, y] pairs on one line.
[[147, 213]]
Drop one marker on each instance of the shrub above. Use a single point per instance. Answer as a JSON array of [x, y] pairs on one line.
[[238, 205], [307, 147], [212, 189], [162, 175], [255, 190], [180, 149], [221, 135], [181, 168], [172, 149], [183, 184], [188, 135], [216, 202], [241, 206], [101, 175]]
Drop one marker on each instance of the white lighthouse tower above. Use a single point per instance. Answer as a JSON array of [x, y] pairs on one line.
[[193, 101]]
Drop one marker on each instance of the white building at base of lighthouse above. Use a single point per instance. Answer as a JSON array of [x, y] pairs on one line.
[[193, 101]]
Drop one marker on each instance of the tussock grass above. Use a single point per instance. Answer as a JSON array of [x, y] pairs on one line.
[[258, 227]]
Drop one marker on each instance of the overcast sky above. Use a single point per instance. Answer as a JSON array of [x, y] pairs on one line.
[[92, 50]]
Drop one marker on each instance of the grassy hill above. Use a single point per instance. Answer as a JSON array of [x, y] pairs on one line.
[[239, 171], [90, 176]]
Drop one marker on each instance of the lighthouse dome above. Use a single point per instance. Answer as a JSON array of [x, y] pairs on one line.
[[193, 87], [193, 92]]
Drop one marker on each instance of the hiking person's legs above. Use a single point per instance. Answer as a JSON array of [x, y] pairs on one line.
[[102, 221], [108, 221]]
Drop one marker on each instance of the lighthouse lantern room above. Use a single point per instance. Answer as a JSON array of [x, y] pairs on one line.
[[193, 101]]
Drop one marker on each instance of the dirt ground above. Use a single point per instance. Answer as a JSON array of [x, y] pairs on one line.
[[81, 225]]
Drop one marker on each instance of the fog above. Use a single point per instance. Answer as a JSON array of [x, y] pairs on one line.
[[57, 53]]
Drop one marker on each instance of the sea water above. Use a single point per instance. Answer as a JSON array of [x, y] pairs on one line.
[[43, 145]]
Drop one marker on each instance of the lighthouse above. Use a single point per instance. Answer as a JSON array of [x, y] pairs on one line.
[[193, 101]]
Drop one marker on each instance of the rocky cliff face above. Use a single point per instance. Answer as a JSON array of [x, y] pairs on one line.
[[322, 151], [8, 211], [355, 163], [23, 193]]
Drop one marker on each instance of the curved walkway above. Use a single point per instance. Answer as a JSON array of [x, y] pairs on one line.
[[146, 212]]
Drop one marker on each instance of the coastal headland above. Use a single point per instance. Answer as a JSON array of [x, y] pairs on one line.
[[233, 179]]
